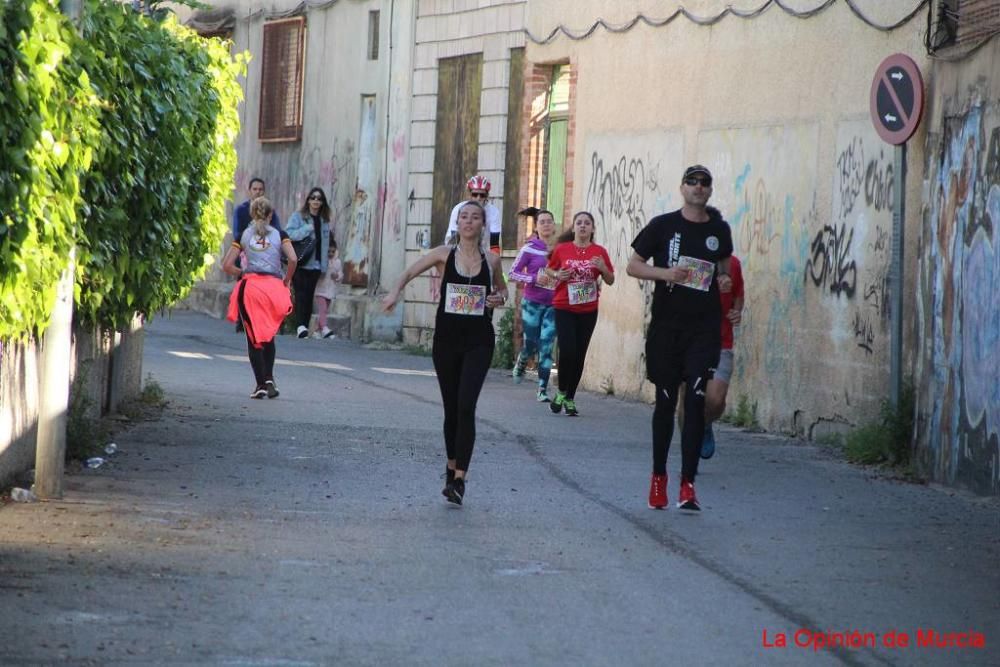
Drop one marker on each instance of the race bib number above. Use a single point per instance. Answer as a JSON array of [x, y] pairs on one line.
[[544, 280], [465, 299], [700, 273], [582, 292]]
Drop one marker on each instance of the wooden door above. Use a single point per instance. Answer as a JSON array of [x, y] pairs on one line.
[[456, 145]]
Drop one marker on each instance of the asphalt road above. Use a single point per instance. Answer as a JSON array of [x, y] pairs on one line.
[[310, 530]]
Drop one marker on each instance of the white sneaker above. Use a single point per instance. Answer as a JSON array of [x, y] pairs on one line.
[[316, 335], [302, 332], [327, 333]]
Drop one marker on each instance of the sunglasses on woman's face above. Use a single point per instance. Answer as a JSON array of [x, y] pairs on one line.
[[315, 198]]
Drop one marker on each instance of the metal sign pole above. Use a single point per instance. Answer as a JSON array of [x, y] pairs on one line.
[[896, 324]]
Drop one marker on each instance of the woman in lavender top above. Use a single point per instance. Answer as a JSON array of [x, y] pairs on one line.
[[538, 319]]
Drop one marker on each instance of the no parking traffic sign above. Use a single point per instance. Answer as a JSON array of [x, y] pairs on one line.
[[897, 98]]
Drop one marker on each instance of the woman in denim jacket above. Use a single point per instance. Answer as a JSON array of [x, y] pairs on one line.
[[313, 219]]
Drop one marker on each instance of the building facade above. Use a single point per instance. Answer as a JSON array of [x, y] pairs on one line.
[[583, 105], [327, 104], [799, 171]]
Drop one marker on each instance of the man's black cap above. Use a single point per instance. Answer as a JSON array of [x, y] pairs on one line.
[[696, 169]]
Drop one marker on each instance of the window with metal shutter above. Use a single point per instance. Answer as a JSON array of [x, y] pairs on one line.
[[977, 20], [283, 62]]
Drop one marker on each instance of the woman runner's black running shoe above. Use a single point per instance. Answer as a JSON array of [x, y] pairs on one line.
[[454, 491]]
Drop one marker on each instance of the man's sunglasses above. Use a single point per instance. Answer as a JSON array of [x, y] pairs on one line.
[[479, 195], [694, 180]]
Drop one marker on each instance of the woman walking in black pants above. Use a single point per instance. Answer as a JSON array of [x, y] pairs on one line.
[[578, 264], [472, 285], [310, 221]]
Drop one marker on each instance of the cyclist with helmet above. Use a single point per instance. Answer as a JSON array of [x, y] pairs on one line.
[[479, 191]]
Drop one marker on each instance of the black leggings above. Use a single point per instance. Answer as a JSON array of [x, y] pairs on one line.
[[461, 372], [304, 281], [692, 433], [261, 358], [573, 331]]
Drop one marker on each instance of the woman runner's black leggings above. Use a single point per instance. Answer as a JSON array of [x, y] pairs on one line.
[[573, 331], [262, 358], [691, 435], [461, 372]]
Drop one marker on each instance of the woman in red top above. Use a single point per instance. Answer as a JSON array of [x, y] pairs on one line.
[[578, 264]]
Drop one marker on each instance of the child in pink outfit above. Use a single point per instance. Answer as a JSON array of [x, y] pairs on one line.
[[326, 291]]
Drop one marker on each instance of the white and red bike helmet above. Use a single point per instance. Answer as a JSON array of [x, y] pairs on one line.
[[479, 183]]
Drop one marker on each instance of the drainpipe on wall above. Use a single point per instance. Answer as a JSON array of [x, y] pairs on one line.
[[55, 359], [376, 279]]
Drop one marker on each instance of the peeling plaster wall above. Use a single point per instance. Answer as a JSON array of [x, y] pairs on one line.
[[799, 173], [958, 323], [369, 217]]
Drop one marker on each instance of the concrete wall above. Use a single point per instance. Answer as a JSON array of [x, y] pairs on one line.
[[777, 107], [108, 364], [367, 189], [448, 28], [18, 408], [958, 323]]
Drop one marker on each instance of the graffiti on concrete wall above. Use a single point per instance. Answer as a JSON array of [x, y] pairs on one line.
[[765, 186], [629, 180], [759, 213], [812, 350], [622, 190], [616, 195], [960, 328], [290, 172], [850, 256], [831, 264], [389, 204]]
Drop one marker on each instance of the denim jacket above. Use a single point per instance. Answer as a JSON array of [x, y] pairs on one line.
[[300, 226]]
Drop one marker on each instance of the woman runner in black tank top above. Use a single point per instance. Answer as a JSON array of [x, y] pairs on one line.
[[463, 317], [472, 286]]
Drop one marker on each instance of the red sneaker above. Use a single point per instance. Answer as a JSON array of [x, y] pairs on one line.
[[658, 492], [687, 500]]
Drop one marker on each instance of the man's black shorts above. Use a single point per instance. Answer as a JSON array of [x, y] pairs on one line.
[[679, 351]]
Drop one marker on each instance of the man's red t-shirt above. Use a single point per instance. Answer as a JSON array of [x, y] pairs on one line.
[[727, 298], [581, 292]]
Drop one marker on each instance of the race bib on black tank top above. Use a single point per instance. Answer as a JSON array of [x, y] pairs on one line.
[[465, 299]]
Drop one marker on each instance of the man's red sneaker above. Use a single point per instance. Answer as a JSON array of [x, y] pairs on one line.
[[687, 499], [658, 492]]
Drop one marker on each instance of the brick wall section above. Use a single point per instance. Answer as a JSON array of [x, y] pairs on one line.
[[537, 79], [570, 146]]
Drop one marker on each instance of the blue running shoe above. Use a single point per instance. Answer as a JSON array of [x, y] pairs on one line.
[[708, 443]]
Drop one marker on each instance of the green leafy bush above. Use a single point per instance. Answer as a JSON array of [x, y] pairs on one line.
[[503, 353], [155, 196], [84, 434], [888, 439], [119, 137], [47, 131], [745, 414]]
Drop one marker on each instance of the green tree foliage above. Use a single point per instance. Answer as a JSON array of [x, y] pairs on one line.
[[128, 122], [156, 194], [47, 129]]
